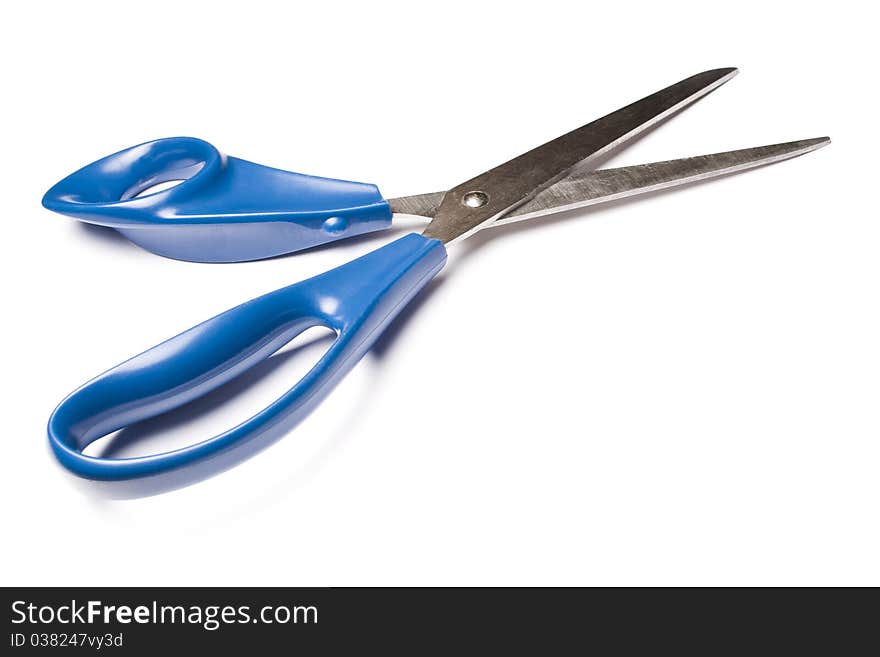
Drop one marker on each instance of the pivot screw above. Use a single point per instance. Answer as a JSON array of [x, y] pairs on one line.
[[475, 199]]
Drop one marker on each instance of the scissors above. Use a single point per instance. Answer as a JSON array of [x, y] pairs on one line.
[[229, 209]]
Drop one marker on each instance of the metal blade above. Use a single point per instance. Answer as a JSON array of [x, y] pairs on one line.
[[492, 194], [584, 189]]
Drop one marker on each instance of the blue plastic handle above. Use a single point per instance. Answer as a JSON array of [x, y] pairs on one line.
[[357, 300], [226, 210]]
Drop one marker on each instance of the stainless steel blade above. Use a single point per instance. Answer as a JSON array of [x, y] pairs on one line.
[[583, 189], [496, 192]]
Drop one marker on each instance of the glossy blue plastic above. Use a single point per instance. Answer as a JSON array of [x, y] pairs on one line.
[[225, 210], [357, 300]]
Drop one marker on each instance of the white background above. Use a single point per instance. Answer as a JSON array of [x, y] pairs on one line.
[[678, 390]]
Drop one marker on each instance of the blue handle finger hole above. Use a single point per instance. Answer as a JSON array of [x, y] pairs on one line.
[[161, 181], [155, 188], [215, 412], [125, 175]]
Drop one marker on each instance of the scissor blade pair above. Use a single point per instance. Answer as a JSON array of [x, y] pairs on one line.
[[591, 188], [489, 196]]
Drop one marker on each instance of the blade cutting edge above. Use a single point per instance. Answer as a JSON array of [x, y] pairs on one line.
[[594, 187]]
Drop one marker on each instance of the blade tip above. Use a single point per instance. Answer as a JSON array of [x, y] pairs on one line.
[[721, 75], [817, 142]]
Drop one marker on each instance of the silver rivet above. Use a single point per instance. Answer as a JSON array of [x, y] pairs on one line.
[[475, 199]]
